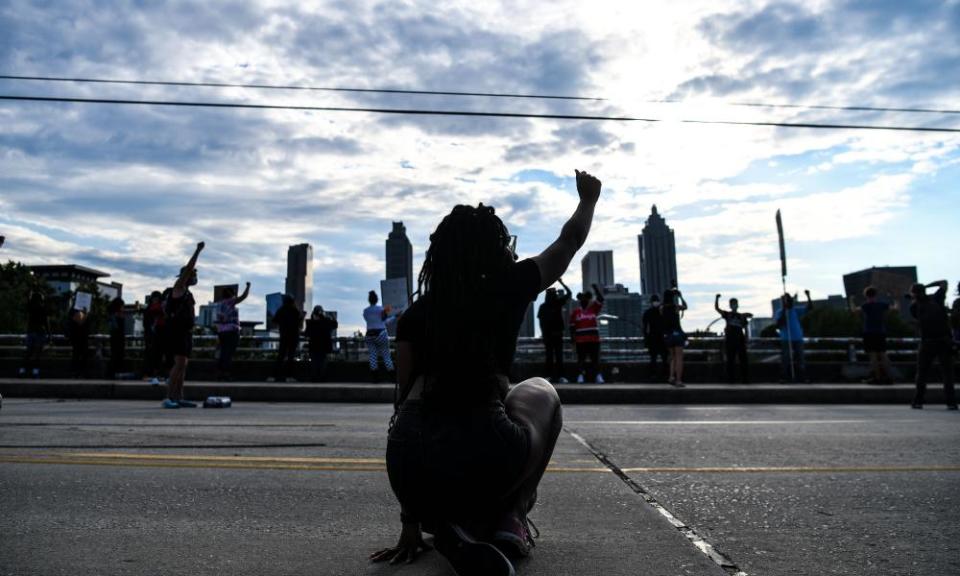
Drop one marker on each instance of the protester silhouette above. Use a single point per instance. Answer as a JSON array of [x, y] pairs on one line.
[[154, 347], [78, 333], [955, 317], [550, 316], [319, 332], [673, 335], [792, 362], [179, 310], [288, 319], [935, 339], [874, 313], [38, 332], [117, 326], [586, 335], [466, 451], [378, 341], [653, 340], [735, 339], [228, 330]]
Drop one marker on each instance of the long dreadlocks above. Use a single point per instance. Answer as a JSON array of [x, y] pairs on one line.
[[468, 252]]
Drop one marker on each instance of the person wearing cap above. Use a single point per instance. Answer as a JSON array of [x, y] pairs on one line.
[[180, 311], [936, 342]]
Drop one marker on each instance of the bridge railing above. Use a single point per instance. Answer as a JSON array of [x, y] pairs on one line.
[[613, 349]]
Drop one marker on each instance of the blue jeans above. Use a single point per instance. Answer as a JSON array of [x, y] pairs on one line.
[[796, 347]]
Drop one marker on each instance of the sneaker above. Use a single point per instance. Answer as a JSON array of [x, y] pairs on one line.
[[513, 538], [22, 373], [35, 373], [917, 406], [951, 406], [677, 384], [168, 403], [599, 379], [291, 380], [154, 381], [469, 557], [271, 379], [563, 380], [186, 404], [580, 379]]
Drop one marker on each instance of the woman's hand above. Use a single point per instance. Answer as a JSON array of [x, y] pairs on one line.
[[411, 540]]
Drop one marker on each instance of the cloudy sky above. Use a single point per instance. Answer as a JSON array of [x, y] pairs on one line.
[[130, 190]]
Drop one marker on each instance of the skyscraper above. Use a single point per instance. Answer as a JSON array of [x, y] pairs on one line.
[[658, 255], [400, 255], [299, 282], [597, 268]]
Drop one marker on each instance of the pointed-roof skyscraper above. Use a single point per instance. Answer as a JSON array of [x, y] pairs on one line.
[[658, 255]]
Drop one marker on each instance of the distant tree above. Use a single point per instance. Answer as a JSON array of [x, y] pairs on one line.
[[16, 283]]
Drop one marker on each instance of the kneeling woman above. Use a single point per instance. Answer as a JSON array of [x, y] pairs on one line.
[[466, 450]]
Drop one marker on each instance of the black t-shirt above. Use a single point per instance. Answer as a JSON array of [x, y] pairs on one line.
[[653, 325], [180, 312], [671, 318], [736, 323], [319, 333], [550, 315], [873, 315], [510, 296], [36, 318], [931, 314], [288, 321]]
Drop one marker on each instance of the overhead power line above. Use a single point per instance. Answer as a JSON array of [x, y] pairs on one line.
[[298, 87], [913, 110], [468, 113]]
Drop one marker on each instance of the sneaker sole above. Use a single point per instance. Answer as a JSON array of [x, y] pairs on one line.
[[469, 557]]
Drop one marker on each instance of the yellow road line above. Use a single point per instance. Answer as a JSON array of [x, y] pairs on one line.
[[378, 465]]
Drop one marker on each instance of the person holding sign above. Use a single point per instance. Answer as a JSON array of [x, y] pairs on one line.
[[180, 311], [466, 450]]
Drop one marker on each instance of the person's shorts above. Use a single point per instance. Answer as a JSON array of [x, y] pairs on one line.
[[874, 342], [455, 466], [674, 339], [35, 341], [180, 343]]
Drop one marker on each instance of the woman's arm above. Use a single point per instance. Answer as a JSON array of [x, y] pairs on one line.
[[716, 305], [181, 285], [553, 261], [242, 297]]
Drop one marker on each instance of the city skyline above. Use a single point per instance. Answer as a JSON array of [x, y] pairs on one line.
[[131, 189]]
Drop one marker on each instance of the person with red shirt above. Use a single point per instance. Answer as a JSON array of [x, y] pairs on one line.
[[586, 335]]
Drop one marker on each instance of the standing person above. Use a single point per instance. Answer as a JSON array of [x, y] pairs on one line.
[[117, 324], [466, 451], [228, 330], [153, 343], [180, 311], [38, 331], [735, 338], [955, 317], [791, 337], [653, 339], [586, 335], [78, 332], [289, 320], [319, 334], [550, 316], [674, 338], [377, 339], [875, 336], [935, 339]]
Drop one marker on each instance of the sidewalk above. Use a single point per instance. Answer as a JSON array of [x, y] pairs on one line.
[[839, 393]]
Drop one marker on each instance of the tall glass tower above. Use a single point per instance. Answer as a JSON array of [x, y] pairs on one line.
[[658, 255], [400, 256]]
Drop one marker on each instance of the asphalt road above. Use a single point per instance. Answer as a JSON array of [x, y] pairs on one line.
[[124, 487]]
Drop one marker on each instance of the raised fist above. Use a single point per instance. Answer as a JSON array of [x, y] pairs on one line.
[[588, 187]]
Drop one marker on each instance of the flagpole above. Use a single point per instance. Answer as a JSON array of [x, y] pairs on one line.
[[783, 304]]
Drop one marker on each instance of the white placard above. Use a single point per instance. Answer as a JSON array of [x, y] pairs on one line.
[[83, 301]]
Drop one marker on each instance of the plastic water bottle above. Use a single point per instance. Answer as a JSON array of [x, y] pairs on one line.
[[217, 402]]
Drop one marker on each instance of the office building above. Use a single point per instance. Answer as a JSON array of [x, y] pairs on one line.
[[65, 279], [658, 256], [400, 255], [299, 283], [597, 268], [891, 282], [624, 312]]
